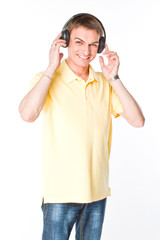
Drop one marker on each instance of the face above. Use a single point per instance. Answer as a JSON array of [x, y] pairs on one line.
[[83, 46]]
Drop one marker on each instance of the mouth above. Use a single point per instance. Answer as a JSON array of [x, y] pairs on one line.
[[83, 57]]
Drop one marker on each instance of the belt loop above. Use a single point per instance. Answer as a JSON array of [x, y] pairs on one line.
[[42, 201]]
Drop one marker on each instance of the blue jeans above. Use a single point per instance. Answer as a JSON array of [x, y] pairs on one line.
[[59, 218]]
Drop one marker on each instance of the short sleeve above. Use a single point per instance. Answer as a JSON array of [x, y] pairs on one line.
[[35, 79], [116, 106]]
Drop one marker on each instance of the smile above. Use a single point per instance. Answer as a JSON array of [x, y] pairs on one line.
[[83, 57]]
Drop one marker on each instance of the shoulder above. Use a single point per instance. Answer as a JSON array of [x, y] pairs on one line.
[[37, 76]]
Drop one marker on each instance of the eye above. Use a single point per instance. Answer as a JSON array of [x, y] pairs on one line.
[[78, 42], [94, 44]]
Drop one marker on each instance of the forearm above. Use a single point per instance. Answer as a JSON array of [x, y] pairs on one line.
[[132, 111], [32, 104]]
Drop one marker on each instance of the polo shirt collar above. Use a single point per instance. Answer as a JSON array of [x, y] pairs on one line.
[[69, 76]]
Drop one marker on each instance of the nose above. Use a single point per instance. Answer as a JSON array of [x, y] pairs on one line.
[[86, 49]]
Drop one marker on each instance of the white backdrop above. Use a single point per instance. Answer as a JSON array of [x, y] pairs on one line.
[[27, 31]]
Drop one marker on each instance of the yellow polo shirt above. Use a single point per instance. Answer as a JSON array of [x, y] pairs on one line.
[[77, 130]]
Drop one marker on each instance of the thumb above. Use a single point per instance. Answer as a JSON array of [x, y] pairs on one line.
[[61, 56], [101, 61]]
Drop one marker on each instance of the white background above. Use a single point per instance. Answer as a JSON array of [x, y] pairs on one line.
[[27, 31]]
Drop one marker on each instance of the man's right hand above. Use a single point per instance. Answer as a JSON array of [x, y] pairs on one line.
[[32, 103], [54, 53]]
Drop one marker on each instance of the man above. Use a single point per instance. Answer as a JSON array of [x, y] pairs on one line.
[[77, 106]]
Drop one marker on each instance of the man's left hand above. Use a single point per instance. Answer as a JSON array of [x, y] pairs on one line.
[[111, 69]]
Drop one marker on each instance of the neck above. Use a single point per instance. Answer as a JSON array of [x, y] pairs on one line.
[[82, 72]]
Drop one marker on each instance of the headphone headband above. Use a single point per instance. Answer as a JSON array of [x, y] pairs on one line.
[[83, 14]]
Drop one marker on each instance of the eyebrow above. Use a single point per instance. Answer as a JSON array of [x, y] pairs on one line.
[[83, 41]]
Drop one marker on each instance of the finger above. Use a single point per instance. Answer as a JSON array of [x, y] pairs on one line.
[[101, 61], [109, 52], [106, 47], [61, 56], [112, 57], [58, 37], [58, 43], [113, 61]]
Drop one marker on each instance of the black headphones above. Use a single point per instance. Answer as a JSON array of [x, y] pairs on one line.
[[66, 34]]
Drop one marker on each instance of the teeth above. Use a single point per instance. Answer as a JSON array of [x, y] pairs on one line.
[[83, 57]]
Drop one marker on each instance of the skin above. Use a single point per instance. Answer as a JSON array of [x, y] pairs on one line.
[[82, 50]]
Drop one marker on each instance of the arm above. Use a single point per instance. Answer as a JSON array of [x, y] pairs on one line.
[[32, 104], [132, 112]]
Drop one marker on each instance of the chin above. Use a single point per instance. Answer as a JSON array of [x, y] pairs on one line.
[[82, 62]]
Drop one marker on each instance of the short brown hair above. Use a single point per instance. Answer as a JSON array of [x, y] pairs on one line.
[[87, 21]]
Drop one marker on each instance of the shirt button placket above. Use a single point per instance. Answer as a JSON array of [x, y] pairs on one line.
[[85, 99]]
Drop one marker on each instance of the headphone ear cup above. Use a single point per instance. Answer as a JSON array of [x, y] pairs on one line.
[[65, 36], [101, 44]]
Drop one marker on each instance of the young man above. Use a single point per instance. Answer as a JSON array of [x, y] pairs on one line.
[[77, 106]]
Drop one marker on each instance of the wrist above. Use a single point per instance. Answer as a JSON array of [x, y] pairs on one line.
[[114, 78], [50, 71]]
